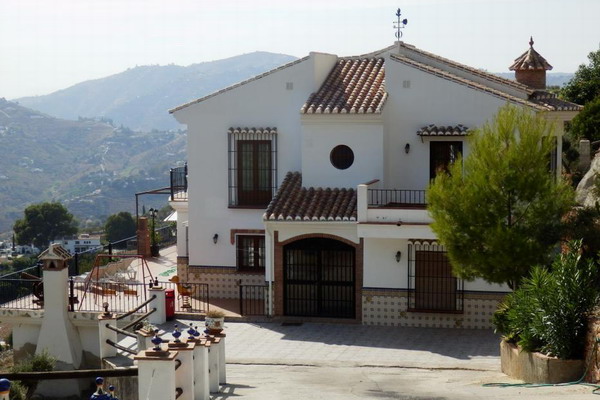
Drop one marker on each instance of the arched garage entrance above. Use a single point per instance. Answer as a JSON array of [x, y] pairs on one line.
[[319, 278]]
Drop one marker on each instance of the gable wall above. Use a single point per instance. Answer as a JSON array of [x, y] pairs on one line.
[[265, 102], [428, 100]]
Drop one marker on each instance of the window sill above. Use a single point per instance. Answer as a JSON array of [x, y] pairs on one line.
[[422, 310], [250, 271], [260, 207]]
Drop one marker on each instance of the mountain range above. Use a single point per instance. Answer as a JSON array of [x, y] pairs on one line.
[[94, 145], [140, 97]]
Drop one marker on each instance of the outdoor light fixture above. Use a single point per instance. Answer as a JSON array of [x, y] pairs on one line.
[[105, 306], [398, 255], [407, 148], [215, 238]]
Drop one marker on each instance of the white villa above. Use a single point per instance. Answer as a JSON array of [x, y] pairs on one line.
[[79, 244], [311, 180]]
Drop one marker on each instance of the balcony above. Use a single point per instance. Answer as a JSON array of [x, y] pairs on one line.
[[392, 213], [179, 183]]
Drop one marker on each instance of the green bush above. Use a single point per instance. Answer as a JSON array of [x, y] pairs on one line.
[[42, 362], [548, 313]]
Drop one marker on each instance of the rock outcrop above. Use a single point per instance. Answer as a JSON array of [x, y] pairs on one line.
[[586, 193]]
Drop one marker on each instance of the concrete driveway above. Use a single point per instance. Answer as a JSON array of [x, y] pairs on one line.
[[330, 361]]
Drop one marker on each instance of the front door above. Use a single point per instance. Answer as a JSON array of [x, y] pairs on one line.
[[319, 279]]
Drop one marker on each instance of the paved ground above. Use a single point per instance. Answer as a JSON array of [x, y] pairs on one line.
[[329, 361]]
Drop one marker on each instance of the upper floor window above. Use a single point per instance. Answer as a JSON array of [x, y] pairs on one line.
[[442, 155], [252, 166]]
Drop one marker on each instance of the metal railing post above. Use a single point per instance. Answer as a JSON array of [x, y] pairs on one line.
[[241, 300], [71, 294], [76, 261]]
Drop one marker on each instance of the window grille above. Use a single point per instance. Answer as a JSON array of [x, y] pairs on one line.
[[432, 286], [252, 167], [250, 252]]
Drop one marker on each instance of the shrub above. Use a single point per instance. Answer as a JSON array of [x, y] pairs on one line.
[[42, 362], [548, 313]]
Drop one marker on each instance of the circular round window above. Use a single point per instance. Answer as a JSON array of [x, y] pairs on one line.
[[341, 156]]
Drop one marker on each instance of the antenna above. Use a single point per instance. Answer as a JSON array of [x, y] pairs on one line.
[[399, 25]]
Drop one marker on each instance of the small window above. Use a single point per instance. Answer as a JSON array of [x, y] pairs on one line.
[[341, 157], [250, 252]]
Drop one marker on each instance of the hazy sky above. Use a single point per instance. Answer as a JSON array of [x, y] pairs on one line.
[[47, 45]]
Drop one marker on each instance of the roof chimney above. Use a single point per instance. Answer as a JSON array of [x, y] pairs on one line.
[[530, 68]]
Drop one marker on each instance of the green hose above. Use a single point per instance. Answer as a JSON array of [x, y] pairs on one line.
[[536, 385]]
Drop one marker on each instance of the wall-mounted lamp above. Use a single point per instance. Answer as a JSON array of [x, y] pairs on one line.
[[398, 256], [407, 148], [215, 238]]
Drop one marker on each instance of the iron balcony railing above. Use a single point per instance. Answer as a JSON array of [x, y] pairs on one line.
[[396, 198], [179, 183]]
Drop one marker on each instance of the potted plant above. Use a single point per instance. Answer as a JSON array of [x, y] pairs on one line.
[[214, 321], [544, 321]]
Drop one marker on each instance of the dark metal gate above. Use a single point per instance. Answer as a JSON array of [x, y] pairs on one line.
[[319, 279]]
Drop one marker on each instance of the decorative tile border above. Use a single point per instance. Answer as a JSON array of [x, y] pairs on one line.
[[388, 307]]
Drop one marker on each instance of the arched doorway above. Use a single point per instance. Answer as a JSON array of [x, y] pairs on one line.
[[319, 278]]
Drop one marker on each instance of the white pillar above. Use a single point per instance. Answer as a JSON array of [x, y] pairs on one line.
[[156, 375], [213, 364], [222, 363], [58, 335], [184, 375], [201, 384], [144, 339], [160, 315], [362, 202], [104, 334]]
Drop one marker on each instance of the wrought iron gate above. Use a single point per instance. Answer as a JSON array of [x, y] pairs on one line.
[[319, 279]]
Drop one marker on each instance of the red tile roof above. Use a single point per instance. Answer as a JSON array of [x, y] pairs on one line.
[[434, 130], [550, 100], [529, 60], [354, 86], [296, 203]]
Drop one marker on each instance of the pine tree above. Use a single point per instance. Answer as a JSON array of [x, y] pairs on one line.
[[500, 213]]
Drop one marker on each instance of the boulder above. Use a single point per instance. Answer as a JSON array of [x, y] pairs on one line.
[[585, 194]]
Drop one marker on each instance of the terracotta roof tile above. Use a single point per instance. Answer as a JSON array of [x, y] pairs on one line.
[[296, 203], [434, 130], [550, 100], [268, 131], [530, 60], [354, 86]]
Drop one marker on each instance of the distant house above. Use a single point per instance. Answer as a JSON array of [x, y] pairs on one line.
[[81, 243], [311, 179]]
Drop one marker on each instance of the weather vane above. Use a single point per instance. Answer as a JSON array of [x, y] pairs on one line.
[[400, 24]]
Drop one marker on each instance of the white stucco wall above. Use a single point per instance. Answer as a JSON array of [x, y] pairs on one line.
[[345, 230], [428, 100], [381, 270], [265, 102], [320, 134]]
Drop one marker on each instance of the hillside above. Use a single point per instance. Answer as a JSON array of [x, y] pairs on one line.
[[91, 166], [140, 97]]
